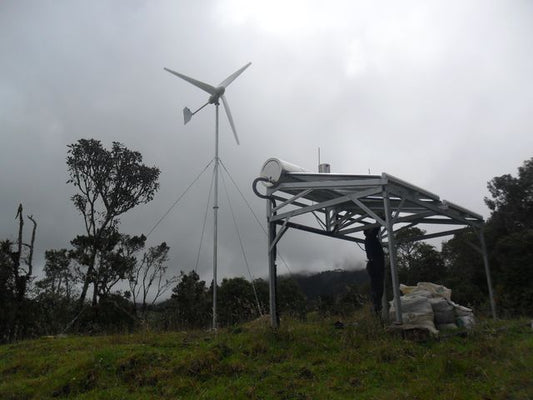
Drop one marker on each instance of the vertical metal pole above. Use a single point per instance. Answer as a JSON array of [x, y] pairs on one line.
[[215, 229], [392, 257], [272, 269], [384, 302], [487, 271]]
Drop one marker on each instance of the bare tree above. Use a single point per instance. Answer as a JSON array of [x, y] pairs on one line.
[[23, 265], [16, 269], [149, 274]]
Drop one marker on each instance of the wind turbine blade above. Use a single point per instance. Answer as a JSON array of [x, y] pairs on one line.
[[233, 76], [204, 86], [230, 118]]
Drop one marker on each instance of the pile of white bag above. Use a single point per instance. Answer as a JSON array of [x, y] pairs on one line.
[[429, 306]]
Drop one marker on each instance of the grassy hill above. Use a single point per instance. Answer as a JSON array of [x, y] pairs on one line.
[[310, 360]]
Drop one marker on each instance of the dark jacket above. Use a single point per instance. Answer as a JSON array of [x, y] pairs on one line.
[[373, 249]]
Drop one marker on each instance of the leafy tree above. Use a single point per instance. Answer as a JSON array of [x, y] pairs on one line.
[[427, 266], [236, 301], [350, 300], [115, 262], [113, 313], [109, 183], [191, 301], [512, 200], [7, 292], [510, 238], [263, 294], [7, 275], [465, 270], [291, 299], [326, 305], [56, 292], [60, 279], [418, 261], [343, 303], [514, 256], [406, 247]]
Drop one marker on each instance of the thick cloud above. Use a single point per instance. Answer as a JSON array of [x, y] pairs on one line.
[[438, 94]]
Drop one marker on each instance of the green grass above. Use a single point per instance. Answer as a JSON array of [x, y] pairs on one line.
[[310, 360]]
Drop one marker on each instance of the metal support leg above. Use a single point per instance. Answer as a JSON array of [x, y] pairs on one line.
[[392, 256], [487, 272], [384, 302], [272, 253]]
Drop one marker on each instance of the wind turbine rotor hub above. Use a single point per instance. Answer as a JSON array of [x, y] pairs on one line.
[[219, 91]]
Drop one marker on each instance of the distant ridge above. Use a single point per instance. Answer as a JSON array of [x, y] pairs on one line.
[[329, 283]]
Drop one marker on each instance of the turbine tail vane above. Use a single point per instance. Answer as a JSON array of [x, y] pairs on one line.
[[187, 115]]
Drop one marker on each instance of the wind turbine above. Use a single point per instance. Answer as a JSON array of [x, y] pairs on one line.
[[216, 93]]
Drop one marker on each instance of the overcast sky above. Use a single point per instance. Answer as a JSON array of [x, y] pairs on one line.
[[438, 93]]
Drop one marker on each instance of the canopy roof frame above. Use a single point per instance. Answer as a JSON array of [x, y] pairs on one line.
[[345, 205]]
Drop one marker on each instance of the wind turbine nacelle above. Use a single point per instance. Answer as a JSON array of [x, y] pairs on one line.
[[215, 96]]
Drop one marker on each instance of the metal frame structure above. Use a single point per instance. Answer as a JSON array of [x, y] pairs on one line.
[[342, 206]]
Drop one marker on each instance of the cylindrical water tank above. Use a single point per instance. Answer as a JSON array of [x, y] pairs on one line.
[[324, 168], [274, 168]]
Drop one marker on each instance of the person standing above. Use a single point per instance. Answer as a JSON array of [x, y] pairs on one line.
[[375, 266]]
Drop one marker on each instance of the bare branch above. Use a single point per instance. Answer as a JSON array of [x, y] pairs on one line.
[[32, 243]]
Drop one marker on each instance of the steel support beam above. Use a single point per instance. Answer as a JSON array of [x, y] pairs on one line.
[[328, 203], [392, 258], [347, 220], [292, 199], [323, 224], [487, 272], [434, 205], [278, 235], [308, 209], [272, 270], [414, 217], [361, 227], [345, 184], [282, 199], [368, 210], [310, 229], [437, 234], [399, 209]]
